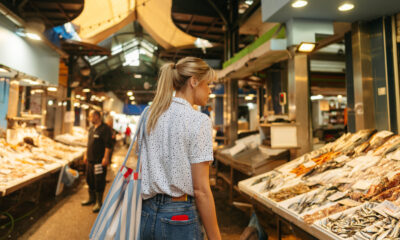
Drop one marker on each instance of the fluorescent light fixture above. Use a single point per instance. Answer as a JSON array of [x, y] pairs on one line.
[[317, 97], [129, 93], [248, 98], [85, 106], [52, 89], [33, 36], [306, 47], [86, 90], [50, 102], [299, 3], [346, 7], [29, 81], [212, 95], [137, 75], [131, 98]]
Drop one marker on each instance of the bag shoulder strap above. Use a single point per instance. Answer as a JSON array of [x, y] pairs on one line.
[[139, 130]]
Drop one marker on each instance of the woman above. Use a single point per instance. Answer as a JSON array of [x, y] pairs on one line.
[[175, 155]]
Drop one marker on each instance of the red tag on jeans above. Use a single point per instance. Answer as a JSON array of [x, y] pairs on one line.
[[180, 218]]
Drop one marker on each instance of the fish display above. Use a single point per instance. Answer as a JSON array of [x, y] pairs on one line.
[[359, 168]]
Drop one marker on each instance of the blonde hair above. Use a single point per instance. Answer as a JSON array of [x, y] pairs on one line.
[[174, 77]]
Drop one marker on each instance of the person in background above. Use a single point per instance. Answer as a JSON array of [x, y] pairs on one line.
[[110, 123], [127, 135], [175, 156], [96, 159]]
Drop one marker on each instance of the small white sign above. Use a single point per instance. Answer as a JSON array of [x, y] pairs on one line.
[[388, 208], [381, 91]]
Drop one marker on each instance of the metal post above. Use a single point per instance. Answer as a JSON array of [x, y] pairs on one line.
[[299, 100]]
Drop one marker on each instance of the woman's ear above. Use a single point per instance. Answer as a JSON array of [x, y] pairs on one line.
[[193, 82]]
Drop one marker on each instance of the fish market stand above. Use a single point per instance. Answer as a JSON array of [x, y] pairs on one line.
[[246, 159], [347, 189]]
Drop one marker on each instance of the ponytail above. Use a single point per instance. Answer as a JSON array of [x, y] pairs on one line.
[[164, 93], [174, 77]]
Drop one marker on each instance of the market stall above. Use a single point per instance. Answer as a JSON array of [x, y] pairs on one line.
[[32, 159], [348, 189]]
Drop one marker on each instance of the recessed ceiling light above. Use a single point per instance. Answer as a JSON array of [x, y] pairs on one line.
[[306, 47], [133, 102], [299, 3], [130, 93], [346, 7], [131, 98], [86, 90]]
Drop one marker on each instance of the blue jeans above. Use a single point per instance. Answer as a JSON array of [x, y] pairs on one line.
[[157, 219]]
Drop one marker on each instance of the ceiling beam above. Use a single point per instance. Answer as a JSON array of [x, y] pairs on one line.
[[190, 24]]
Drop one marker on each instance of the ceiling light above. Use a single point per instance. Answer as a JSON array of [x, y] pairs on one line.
[[248, 98], [346, 7], [212, 95], [65, 103], [14, 82], [78, 96], [150, 103], [60, 104], [52, 89], [131, 98], [29, 81], [83, 98], [130, 93], [86, 90], [50, 102], [133, 102], [306, 47], [339, 96], [299, 4], [137, 75], [76, 104], [33, 36], [317, 97]]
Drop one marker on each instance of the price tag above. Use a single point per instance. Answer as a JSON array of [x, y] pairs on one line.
[[337, 196], [388, 208], [349, 202], [309, 164], [341, 158]]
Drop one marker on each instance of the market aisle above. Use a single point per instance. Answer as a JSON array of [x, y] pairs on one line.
[[68, 219]]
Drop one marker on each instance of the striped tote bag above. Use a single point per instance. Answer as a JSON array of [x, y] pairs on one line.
[[119, 217]]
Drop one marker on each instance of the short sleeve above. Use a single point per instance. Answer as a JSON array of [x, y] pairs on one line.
[[201, 147]]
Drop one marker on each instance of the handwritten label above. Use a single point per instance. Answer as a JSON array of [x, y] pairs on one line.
[[309, 164], [388, 208]]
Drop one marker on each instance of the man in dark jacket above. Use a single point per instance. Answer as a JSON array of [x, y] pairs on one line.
[[97, 159]]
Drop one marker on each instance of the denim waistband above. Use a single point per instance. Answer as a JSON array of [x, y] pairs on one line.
[[163, 199]]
